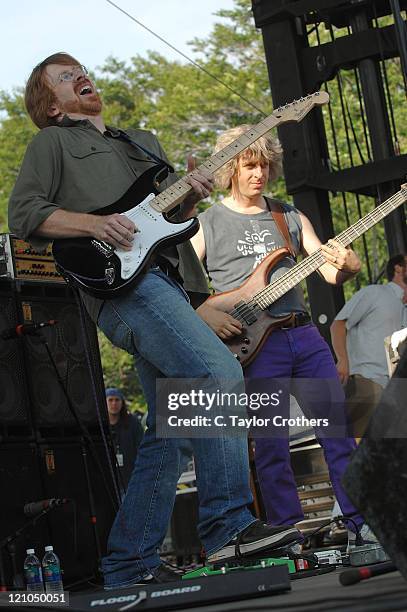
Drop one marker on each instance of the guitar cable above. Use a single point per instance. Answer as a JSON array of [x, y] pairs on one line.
[[83, 314]]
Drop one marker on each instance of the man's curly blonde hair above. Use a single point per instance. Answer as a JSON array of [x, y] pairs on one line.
[[265, 148]]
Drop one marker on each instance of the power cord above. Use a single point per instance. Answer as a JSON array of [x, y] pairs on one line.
[[336, 520]]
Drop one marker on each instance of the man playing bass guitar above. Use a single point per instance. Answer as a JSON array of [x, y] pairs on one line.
[[234, 238]]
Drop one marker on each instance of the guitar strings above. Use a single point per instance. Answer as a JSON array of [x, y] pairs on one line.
[[260, 299], [317, 258], [267, 296]]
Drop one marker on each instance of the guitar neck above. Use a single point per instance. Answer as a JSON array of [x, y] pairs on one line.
[[295, 111], [290, 279], [172, 196]]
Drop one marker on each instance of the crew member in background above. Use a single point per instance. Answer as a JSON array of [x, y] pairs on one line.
[[74, 166], [358, 334], [235, 236], [127, 433]]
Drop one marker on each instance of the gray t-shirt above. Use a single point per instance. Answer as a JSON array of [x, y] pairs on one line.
[[236, 243], [374, 312]]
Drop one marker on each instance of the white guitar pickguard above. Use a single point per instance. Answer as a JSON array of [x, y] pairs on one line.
[[152, 227]]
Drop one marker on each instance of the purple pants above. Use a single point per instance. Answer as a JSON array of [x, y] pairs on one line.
[[301, 353]]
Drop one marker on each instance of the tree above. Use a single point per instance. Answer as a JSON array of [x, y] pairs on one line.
[[187, 108], [16, 131]]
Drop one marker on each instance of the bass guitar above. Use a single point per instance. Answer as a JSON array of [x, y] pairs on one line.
[[249, 302], [104, 271]]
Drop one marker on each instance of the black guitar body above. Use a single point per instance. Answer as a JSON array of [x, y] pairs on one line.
[[105, 272]]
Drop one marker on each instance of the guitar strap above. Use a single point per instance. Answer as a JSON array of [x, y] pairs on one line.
[[125, 136], [281, 222]]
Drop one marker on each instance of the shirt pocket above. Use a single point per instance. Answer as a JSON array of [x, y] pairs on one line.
[[92, 178], [82, 151]]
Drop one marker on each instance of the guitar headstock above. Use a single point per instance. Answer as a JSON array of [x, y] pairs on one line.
[[295, 111]]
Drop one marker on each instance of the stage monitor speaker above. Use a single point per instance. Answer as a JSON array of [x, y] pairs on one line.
[[67, 341], [14, 403], [20, 484], [376, 476], [80, 528]]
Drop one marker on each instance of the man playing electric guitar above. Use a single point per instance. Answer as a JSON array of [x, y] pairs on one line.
[[73, 167], [235, 236]]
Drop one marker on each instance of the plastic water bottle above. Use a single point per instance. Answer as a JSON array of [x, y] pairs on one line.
[[33, 572], [52, 571]]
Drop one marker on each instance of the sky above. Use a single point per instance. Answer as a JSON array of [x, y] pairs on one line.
[[92, 30]]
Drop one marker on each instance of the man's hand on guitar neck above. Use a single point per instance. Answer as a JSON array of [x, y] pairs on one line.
[[202, 187], [224, 325], [342, 258]]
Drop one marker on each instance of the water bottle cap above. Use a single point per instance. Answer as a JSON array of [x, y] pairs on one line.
[[30, 551], [48, 548]]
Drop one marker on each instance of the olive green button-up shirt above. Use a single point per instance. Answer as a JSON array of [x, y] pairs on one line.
[[75, 167]]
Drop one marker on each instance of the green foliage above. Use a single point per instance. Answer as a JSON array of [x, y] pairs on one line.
[[349, 145], [187, 108], [119, 371], [15, 133]]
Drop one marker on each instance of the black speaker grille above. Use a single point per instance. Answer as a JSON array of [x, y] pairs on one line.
[[68, 349], [13, 391]]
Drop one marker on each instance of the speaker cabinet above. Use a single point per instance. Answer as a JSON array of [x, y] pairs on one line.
[[73, 345], [20, 483], [14, 404], [31, 396], [42, 455], [80, 528]]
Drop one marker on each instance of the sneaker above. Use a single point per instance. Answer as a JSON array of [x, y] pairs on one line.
[[367, 535], [256, 537], [159, 575]]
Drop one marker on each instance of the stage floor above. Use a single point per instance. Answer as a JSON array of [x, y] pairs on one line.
[[324, 593]]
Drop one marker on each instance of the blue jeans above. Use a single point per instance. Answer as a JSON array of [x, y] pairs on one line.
[[155, 323]]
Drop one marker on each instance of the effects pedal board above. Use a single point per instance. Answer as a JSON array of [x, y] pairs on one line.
[[187, 593]]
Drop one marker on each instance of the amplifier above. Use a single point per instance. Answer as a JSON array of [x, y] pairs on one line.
[[238, 585], [20, 261]]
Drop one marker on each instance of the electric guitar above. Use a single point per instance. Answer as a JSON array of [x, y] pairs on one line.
[[104, 271], [249, 302]]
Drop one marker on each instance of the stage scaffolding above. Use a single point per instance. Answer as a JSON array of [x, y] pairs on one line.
[[347, 157]]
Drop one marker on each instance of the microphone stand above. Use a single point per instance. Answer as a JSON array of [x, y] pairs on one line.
[[8, 544], [86, 444]]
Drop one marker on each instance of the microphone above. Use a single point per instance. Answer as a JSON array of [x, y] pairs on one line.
[[363, 573], [26, 329], [34, 508]]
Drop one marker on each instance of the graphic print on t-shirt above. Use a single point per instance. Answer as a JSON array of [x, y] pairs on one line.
[[256, 242]]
